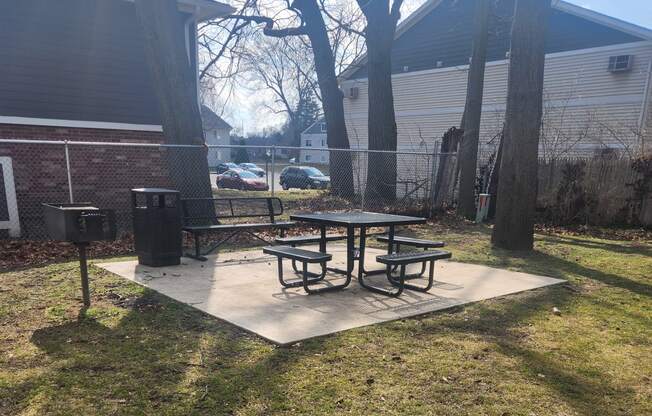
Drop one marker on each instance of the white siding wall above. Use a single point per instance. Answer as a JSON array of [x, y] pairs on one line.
[[217, 137], [308, 154], [586, 107]]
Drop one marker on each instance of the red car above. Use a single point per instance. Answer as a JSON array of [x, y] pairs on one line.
[[241, 179]]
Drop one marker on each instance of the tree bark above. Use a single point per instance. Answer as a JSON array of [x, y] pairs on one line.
[[174, 85], [382, 131], [341, 167], [468, 154], [517, 185]]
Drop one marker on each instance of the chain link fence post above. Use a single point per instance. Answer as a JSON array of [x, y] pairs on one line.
[[273, 167], [68, 172]]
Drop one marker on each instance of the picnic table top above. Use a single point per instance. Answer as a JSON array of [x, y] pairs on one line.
[[357, 218]]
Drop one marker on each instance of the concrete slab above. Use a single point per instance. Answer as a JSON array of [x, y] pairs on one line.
[[242, 288]]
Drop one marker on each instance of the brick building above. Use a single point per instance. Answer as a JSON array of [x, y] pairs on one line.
[[74, 70]]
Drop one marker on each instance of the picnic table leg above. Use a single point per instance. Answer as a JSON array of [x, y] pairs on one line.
[[322, 240], [400, 282], [350, 247], [307, 278], [387, 271], [363, 245]]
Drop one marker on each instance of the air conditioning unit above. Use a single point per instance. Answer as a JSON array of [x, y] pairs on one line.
[[351, 92], [620, 63]]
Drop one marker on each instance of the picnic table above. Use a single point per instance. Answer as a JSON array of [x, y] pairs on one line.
[[362, 221]]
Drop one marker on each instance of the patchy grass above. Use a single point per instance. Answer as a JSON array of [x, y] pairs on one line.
[[137, 352]]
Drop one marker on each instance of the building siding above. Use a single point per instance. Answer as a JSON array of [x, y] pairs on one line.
[[582, 100], [311, 154], [445, 33], [74, 60]]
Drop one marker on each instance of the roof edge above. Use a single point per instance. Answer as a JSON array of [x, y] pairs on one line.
[[560, 5], [320, 119]]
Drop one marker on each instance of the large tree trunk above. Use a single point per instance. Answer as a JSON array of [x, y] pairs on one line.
[[174, 84], [468, 154], [517, 186], [382, 132], [341, 168]]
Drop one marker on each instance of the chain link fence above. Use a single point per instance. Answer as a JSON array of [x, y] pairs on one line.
[[305, 179]]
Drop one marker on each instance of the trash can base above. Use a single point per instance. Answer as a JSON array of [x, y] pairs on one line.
[[159, 261]]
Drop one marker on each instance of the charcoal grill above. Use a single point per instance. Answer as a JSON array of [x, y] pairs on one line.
[[80, 224]]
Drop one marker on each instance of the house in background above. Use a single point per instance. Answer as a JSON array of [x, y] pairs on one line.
[[216, 132], [314, 137], [75, 70], [596, 90]]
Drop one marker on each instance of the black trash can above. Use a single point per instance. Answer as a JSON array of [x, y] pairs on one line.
[[157, 226]]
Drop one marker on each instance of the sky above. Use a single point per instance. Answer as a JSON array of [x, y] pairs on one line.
[[633, 11], [247, 115]]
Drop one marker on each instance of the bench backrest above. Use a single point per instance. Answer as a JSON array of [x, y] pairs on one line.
[[202, 211]]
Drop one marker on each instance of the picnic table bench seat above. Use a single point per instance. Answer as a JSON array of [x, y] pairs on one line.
[[402, 260], [205, 215], [308, 239], [305, 257], [413, 242]]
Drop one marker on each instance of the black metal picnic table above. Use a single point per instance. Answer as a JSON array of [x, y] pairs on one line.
[[351, 221]]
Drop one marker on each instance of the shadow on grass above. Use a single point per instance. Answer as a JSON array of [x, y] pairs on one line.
[[159, 354], [580, 385], [621, 248]]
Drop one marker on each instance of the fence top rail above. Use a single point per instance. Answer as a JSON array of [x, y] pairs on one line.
[[214, 146]]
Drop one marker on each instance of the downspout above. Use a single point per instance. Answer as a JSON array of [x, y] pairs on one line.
[[642, 120]]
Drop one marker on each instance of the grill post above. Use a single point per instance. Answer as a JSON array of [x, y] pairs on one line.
[[83, 268]]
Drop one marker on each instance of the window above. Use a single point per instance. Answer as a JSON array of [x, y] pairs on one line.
[[308, 143], [322, 127], [308, 158]]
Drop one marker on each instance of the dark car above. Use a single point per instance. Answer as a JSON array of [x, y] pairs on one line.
[[223, 167], [251, 167], [304, 177], [240, 179]]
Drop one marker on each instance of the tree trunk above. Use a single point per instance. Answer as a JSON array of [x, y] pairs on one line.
[[468, 154], [517, 186], [174, 84], [382, 131], [341, 167]]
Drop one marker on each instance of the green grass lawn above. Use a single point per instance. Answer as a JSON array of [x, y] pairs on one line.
[[137, 352]]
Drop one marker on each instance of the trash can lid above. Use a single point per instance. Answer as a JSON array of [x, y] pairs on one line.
[[154, 191]]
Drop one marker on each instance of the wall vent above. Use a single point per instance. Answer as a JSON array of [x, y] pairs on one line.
[[620, 63]]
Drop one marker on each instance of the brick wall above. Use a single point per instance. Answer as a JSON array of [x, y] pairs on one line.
[[102, 175]]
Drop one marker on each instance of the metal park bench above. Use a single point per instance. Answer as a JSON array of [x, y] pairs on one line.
[[208, 215]]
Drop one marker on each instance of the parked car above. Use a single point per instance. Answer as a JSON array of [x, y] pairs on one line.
[[304, 177], [251, 167], [223, 167], [241, 179]]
